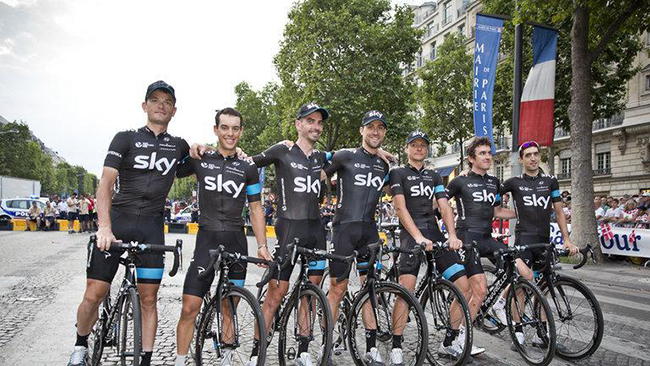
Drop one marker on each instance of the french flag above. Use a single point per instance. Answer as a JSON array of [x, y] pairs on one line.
[[538, 96]]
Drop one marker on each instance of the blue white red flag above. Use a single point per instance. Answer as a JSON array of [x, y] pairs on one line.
[[538, 96]]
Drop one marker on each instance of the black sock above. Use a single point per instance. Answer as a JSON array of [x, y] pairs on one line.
[[146, 359], [303, 345], [371, 339], [450, 336], [256, 347], [82, 340], [397, 341]]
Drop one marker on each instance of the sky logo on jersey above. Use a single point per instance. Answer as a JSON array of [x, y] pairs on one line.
[[149, 162], [217, 184], [367, 180], [306, 185], [422, 191], [484, 196], [535, 201]]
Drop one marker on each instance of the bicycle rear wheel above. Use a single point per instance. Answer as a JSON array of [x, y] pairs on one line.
[[412, 323], [306, 320], [578, 318], [533, 330], [226, 331], [438, 304], [96, 338], [129, 345]]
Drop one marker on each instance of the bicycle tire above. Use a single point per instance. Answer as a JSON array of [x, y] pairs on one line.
[[488, 322], [129, 318], [96, 338], [387, 293], [562, 322], [437, 313], [213, 354], [538, 304], [320, 315]]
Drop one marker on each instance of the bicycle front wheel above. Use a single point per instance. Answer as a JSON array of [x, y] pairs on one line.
[[445, 308], [578, 318], [306, 326], [530, 322], [129, 345], [393, 311], [227, 330]]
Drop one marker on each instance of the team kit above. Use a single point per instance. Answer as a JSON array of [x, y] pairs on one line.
[[141, 165]]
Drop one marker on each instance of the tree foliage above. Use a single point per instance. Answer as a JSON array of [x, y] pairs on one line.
[[348, 56], [446, 92]]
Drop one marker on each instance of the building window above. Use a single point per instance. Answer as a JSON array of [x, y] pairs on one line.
[[500, 167], [461, 30], [432, 53], [565, 168], [603, 159], [447, 15], [647, 83]]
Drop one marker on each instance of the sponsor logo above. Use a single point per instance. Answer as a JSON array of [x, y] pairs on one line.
[[535, 201], [111, 152], [166, 139], [412, 177], [422, 191], [473, 185], [375, 114], [298, 166], [209, 166], [484, 196], [218, 184], [149, 162], [306, 185], [525, 189], [361, 166], [368, 180], [235, 163], [143, 145], [167, 145]]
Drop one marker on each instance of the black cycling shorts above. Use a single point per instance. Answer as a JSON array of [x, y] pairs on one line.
[[485, 247], [130, 227], [349, 237], [310, 233], [447, 261], [233, 241], [534, 258]]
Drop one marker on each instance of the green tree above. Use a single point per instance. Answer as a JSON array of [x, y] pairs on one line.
[[262, 121], [446, 93], [182, 188], [598, 42], [348, 56]]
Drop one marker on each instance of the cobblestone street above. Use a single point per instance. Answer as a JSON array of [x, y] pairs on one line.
[[42, 278]]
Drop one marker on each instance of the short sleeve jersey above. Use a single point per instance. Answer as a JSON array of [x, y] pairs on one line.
[[419, 187], [298, 180], [360, 176], [476, 197], [147, 166], [534, 197], [225, 182]]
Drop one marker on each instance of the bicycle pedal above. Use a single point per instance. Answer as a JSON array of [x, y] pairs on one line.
[[291, 354]]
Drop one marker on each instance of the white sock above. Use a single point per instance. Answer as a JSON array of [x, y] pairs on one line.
[[501, 302], [180, 360]]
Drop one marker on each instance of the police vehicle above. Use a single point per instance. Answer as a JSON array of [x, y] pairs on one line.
[[12, 208]]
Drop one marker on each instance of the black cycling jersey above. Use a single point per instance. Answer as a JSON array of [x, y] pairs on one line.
[[360, 178], [419, 187], [476, 197], [147, 165], [534, 198], [224, 184], [298, 180]]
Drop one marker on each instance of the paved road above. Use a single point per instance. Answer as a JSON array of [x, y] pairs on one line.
[[42, 279]]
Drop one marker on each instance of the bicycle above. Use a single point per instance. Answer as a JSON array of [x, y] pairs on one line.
[[227, 314], [576, 311], [120, 323], [306, 301], [530, 320]]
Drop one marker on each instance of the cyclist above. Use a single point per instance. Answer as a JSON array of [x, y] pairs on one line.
[[145, 160], [414, 187], [478, 201], [361, 175], [298, 170], [225, 183], [536, 195]]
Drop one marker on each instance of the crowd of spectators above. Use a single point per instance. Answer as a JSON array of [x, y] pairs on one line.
[[626, 211], [75, 207]]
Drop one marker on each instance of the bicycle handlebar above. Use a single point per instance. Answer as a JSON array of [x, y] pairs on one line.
[[583, 251], [219, 253], [143, 247]]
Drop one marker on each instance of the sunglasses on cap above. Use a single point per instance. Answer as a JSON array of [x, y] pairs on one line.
[[526, 145]]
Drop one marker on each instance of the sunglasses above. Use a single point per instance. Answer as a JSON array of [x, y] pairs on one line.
[[528, 144]]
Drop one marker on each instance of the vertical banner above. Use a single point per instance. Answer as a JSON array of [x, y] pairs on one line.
[[538, 96], [486, 50]]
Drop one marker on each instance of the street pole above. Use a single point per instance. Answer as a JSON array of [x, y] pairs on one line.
[[516, 102]]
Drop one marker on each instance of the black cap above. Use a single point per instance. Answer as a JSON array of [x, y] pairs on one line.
[[160, 85], [373, 116], [417, 134], [309, 108]]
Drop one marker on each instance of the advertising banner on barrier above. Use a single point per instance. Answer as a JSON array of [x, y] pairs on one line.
[[620, 240]]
